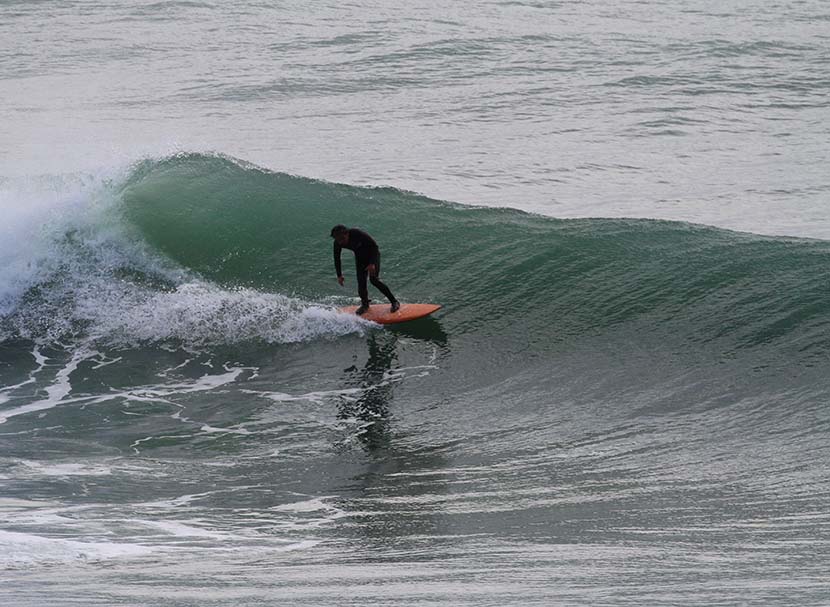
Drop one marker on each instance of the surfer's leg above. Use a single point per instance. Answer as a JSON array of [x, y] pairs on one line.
[[380, 286], [362, 289]]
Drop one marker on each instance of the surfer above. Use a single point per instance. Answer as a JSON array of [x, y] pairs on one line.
[[367, 262]]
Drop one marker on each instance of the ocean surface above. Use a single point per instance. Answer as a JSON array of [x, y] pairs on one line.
[[623, 206]]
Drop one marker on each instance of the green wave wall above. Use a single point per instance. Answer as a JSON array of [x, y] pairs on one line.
[[495, 270]]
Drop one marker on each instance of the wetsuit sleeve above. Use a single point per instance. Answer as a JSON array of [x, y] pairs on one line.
[[337, 268]]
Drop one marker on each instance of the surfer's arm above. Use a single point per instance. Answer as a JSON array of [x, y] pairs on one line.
[[337, 266]]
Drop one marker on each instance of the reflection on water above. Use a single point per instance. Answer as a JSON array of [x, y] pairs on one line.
[[378, 376], [371, 407], [398, 471]]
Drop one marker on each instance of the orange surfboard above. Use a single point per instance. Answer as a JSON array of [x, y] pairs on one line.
[[380, 312]]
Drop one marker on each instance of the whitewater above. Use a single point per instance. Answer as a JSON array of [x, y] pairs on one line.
[[622, 208]]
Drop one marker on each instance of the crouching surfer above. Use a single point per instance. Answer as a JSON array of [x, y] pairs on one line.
[[367, 263]]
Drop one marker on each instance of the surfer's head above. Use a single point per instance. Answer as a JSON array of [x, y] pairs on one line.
[[341, 234]]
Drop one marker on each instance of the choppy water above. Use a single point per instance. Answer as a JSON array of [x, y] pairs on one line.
[[615, 406]]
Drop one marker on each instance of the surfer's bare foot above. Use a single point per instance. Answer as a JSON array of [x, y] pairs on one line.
[[396, 305], [362, 309]]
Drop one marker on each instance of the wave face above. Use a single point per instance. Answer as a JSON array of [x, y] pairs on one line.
[[242, 226], [209, 235], [177, 393]]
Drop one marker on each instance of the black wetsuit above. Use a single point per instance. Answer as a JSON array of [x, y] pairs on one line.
[[366, 252]]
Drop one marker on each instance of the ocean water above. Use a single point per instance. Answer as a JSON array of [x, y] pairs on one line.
[[622, 206]]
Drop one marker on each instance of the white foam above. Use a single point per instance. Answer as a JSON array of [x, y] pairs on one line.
[[214, 430], [14, 504], [201, 384], [68, 236], [25, 549], [40, 216], [66, 468], [56, 392], [183, 530], [391, 376], [24, 252], [5, 392], [197, 312], [316, 504], [317, 398]]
